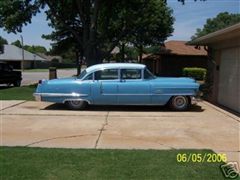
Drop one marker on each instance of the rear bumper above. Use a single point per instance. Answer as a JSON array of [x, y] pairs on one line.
[[37, 96], [193, 100]]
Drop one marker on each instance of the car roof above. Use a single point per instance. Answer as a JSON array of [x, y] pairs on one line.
[[115, 65]]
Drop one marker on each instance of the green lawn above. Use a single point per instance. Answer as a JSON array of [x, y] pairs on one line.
[[17, 93], [43, 163]]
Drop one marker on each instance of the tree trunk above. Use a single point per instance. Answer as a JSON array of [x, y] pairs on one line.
[[77, 62], [140, 53], [92, 51], [91, 55], [122, 52]]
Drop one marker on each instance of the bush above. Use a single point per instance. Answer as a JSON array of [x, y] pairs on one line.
[[195, 72]]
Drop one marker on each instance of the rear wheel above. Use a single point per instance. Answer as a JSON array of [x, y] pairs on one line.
[[76, 105], [17, 83], [179, 103]]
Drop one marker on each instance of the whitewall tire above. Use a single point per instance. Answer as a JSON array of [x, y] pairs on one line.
[[76, 104], [179, 103]]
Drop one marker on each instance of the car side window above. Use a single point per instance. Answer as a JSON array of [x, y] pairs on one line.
[[106, 74], [88, 77], [148, 74], [131, 74]]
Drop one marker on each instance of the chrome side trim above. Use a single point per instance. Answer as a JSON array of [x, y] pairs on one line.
[[59, 94], [77, 100], [173, 94]]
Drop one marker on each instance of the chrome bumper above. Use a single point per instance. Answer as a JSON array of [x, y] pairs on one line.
[[37, 97], [193, 100]]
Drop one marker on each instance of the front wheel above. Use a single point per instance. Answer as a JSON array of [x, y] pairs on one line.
[[179, 103], [76, 104]]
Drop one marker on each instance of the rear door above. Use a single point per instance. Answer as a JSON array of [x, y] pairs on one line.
[[132, 89]]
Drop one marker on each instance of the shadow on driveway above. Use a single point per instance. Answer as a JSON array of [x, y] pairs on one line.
[[194, 108]]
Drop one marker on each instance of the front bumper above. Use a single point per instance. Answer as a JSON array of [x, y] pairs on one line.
[[37, 97]]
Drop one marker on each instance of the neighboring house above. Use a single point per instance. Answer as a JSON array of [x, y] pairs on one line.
[[14, 56], [173, 57], [51, 58], [224, 48]]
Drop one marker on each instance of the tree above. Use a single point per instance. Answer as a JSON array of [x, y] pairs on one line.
[[222, 20], [17, 43], [152, 30], [93, 23], [2, 42], [35, 49], [96, 25], [32, 49]]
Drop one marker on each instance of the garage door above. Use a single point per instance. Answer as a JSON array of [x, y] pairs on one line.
[[229, 79]]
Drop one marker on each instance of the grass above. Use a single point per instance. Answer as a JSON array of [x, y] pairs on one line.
[[44, 163], [17, 93]]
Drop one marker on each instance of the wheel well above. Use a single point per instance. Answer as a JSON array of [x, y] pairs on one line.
[[84, 100]]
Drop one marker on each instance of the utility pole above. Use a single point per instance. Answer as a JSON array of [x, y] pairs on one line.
[[22, 64]]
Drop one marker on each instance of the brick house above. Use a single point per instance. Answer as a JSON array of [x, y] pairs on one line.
[[173, 57]]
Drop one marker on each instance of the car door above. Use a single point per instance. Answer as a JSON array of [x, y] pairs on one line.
[[104, 86], [132, 89]]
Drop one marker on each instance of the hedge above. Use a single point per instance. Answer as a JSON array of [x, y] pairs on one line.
[[195, 72]]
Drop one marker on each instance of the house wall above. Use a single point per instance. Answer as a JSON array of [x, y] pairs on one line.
[[226, 73], [172, 65]]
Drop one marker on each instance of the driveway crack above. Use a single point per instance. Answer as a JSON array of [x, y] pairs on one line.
[[101, 130], [13, 105], [61, 137]]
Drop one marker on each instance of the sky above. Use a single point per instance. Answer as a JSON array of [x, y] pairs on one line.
[[188, 18]]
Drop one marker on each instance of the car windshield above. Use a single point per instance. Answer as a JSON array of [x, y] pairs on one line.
[[148, 74], [83, 73]]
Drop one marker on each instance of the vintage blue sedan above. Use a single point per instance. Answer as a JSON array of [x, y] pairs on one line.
[[118, 84]]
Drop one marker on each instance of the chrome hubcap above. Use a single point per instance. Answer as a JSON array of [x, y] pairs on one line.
[[75, 103], [180, 101]]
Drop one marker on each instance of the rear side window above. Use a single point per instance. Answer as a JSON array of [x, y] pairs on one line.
[[131, 74], [106, 74]]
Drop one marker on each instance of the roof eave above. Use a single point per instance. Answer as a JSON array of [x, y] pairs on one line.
[[226, 33]]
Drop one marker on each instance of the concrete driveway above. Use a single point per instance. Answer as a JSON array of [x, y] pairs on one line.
[[26, 123]]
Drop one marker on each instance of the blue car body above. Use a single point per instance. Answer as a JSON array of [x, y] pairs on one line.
[[116, 84]]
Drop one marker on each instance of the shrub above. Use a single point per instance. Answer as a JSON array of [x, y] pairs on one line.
[[195, 72]]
